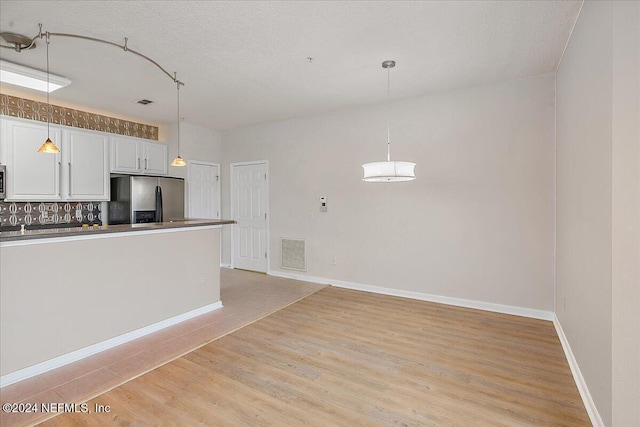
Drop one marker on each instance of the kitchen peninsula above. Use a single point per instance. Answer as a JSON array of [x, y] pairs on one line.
[[68, 293]]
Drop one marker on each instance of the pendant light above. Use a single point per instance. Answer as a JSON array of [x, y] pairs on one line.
[[48, 146], [389, 171], [178, 161]]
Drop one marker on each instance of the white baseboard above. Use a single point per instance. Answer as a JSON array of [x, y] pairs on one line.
[[223, 265], [589, 404], [480, 305], [301, 277], [76, 355]]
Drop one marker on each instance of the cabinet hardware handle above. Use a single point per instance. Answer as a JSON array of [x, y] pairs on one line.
[[146, 164], [70, 179], [60, 179], [138, 162]]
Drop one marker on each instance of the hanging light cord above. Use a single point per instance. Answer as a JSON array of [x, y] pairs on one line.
[[48, 104], [178, 85], [388, 114]]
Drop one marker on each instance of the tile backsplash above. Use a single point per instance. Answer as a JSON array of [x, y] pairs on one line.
[[49, 213]]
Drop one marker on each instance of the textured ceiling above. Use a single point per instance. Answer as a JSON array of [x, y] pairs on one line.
[[246, 62]]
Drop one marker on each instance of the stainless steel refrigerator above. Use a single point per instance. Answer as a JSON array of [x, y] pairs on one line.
[[140, 199]]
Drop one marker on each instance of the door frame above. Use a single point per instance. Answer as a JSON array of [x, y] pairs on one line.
[[189, 172], [233, 200]]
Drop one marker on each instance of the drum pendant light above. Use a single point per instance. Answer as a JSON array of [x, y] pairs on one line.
[[178, 161], [389, 171], [48, 146]]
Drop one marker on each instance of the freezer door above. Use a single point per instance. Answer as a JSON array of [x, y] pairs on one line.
[[143, 193], [172, 198]]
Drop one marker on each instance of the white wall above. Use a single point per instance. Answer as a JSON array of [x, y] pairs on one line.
[[625, 248], [196, 143], [598, 191], [478, 223], [584, 199]]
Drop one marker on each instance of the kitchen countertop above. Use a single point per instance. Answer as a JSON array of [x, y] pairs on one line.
[[12, 236]]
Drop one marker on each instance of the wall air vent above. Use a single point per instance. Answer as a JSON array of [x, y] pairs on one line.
[[145, 101], [293, 254]]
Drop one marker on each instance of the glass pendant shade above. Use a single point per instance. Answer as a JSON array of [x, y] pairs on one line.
[[390, 171], [178, 161], [48, 147]]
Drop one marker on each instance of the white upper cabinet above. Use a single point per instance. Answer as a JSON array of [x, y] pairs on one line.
[[125, 154], [155, 158], [86, 163], [138, 156], [79, 172], [30, 175]]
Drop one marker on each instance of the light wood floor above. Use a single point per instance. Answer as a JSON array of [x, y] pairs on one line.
[[246, 296], [347, 358]]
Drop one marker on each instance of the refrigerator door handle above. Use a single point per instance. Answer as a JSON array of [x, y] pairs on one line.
[[158, 216]]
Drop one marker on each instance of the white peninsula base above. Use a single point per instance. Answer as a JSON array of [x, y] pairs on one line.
[[62, 299]]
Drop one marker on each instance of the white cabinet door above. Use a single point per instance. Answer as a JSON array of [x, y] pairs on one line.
[[134, 155], [126, 154], [31, 175], [85, 162], [155, 158]]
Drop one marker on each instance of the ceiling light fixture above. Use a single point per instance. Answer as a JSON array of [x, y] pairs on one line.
[[178, 161], [48, 146], [20, 43], [17, 42], [389, 171], [19, 75]]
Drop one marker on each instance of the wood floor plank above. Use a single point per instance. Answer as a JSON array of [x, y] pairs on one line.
[[343, 357]]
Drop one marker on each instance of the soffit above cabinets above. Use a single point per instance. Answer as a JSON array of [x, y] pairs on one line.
[[247, 62]]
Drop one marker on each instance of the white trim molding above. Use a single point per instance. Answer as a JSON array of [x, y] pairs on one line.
[[479, 305], [76, 355], [589, 404]]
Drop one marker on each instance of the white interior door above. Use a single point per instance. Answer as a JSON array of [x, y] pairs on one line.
[[203, 180], [249, 209]]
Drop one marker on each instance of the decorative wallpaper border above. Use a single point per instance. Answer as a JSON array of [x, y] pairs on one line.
[[34, 110]]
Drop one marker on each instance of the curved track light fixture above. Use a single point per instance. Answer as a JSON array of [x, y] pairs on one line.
[[19, 43]]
